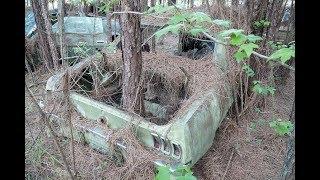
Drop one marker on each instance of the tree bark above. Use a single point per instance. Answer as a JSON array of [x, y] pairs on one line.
[[132, 96], [52, 46], [42, 37], [109, 29], [208, 8], [153, 40], [144, 5], [63, 51], [172, 2]]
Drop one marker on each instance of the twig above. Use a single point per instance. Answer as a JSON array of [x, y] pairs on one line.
[[225, 172], [47, 123], [127, 12]]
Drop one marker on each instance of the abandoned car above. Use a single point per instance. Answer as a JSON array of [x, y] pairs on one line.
[[186, 135]]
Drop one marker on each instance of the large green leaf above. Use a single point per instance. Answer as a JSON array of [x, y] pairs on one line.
[[200, 17], [240, 55], [223, 23], [171, 28], [253, 38], [163, 173], [284, 54], [237, 40], [248, 48], [262, 89], [177, 19], [230, 31]]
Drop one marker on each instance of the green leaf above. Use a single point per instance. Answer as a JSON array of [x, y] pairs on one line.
[[253, 38], [270, 89], [159, 9], [266, 23], [197, 31], [281, 127], [283, 54], [200, 17], [248, 70], [261, 89], [237, 40], [163, 173], [248, 48], [240, 55], [177, 19], [171, 28], [231, 31], [223, 23]]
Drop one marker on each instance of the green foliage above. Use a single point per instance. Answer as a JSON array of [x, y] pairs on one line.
[[181, 173], [244, 51], [228, 32], [248, 48], [175, 29], [178, 19], [197, 30], [240, 56], [222, 23], [281, 127], [163, 173], [237, 39], [283, 54], [247, 69], [276, 45], [253, 38], [192, 23], [261, 24], [262, 89], [200, 17], [159, 9], [107, 5]]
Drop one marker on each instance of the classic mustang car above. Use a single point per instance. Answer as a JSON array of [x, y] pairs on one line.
[[184, 139]]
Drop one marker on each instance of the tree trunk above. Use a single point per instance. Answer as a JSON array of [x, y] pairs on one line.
[[172, 2], [208, 8], [52, 46], [42, 37], [63, 51], [132, 96], [144, 5], [153, 40], [108, 27]]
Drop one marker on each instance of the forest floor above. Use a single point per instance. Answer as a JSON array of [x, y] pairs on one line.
[[247, 150]]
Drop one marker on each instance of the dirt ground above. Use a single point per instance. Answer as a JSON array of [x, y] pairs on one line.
[[247, 150]]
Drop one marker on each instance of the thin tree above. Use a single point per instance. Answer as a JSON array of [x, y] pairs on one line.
[[48, 30], [132, 96], [153, 40], [63, 52], [144, 5], [42, 37]]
